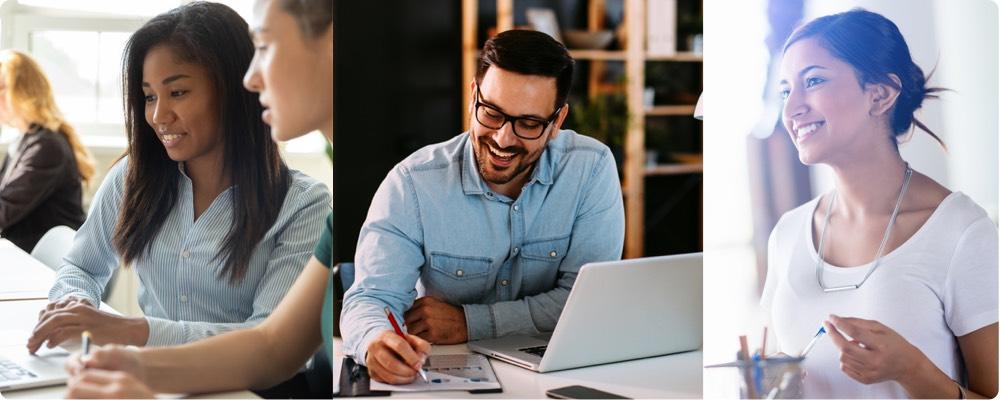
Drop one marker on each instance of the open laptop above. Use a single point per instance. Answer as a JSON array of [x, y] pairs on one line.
[[616, 311], [20, 370]]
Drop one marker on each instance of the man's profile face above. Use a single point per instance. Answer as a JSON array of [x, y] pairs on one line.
[[501, 155]]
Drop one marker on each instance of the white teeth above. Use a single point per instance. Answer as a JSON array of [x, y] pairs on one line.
[[808, 129], [500, 154], [170, 138]]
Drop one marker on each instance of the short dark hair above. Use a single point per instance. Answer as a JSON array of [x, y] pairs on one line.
[[529, 53], [312, 16], [873, 46], [215, 37]]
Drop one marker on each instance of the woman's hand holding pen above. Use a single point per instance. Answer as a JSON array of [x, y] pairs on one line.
[[66, 319], [112, 371], [875, 352]]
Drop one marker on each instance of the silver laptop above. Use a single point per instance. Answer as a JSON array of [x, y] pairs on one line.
[[616, 311], [20, 370]]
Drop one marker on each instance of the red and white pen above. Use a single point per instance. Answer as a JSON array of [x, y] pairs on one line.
[[395, 327]]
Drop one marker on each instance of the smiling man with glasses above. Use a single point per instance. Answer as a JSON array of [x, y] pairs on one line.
[[490, 227]]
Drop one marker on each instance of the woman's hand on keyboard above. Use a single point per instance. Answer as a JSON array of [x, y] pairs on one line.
[[65, 320]]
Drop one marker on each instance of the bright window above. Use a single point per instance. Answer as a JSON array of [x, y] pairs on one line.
[[88, 88]]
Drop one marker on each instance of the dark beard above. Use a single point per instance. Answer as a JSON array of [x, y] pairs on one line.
[[482, 159]]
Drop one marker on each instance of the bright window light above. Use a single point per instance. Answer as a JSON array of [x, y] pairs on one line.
[[118, 7], [87, 88]]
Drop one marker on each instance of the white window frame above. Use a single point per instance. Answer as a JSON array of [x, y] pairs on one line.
[[20, 22]]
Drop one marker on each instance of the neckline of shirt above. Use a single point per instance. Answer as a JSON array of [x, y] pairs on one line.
[[888, 256]]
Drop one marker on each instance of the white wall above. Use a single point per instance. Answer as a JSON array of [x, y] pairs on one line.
[[970, 45]]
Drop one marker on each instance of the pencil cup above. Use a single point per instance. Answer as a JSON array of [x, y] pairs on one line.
[[770, 378]]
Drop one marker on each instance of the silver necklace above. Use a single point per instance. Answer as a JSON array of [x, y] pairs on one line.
[[881, 247]]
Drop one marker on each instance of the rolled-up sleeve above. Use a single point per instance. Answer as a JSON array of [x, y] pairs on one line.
[[387, 263]]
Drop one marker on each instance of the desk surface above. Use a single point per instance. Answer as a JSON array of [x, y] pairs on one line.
[[672, 376], [23, 276], [19, 317]]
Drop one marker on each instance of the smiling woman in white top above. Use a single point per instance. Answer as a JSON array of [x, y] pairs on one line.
[[901, 271], [203, 207]]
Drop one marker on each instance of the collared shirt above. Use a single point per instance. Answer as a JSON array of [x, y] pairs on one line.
[[180, 290], [435, 226]]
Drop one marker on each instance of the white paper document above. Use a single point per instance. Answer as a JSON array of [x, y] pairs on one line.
[[450, 372]]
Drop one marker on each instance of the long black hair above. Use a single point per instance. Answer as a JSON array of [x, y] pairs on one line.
[[873, 46], [215, 37]]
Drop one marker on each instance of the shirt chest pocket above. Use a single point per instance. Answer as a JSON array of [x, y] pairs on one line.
[[540, 261], [463, 279]]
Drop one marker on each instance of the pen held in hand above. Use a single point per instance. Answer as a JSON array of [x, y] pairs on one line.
[[819, 334], [85, 339], [395, 327]]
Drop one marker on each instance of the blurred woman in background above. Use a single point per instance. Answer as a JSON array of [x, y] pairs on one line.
[[42, 177]]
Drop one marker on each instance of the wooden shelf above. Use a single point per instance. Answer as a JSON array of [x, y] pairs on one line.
[[661, 111], [619, 55], [674, 169], [602, 55], [684, 56]]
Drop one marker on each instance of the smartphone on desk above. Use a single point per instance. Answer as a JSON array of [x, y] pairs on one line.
[[580, 392]]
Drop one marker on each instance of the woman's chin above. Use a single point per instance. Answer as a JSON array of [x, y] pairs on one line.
[[284, 135], [807, 158]]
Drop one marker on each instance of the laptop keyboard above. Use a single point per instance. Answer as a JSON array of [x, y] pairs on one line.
[[537, 350], [9, 371]]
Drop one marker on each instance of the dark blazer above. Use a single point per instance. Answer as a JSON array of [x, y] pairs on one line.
[[43, 189]]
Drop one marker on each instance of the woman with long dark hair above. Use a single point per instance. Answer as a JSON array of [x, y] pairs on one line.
[[900, 271], [293, 74], [202, 206]]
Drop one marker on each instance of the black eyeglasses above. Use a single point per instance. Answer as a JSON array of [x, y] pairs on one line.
[[528, 128]]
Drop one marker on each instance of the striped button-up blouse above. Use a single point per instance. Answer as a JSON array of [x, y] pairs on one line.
[[180, 291]]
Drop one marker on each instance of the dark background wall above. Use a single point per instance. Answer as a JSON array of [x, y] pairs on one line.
[[397, 70]]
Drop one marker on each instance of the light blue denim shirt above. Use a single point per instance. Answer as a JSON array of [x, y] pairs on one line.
[[510, 263], [180, 292]]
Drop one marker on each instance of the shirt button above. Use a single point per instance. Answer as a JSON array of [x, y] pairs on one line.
[[186, 254], [517, 208], [552, 254], [184, 299], [460, 273], [504, 282], [516, 250]]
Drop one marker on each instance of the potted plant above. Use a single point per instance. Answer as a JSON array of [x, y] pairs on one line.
[[605, 118]]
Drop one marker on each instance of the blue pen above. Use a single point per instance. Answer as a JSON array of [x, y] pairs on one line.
[[758, 373], [819, 334]]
